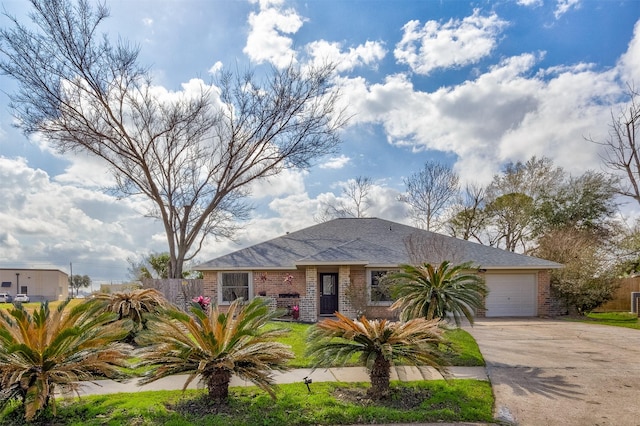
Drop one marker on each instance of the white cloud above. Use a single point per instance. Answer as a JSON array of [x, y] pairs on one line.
[[147, 22], [530, 3], [268, 39], [215, 68], [52, 224], [629, 64], [286, 182], [336, 162], [86, 171], [455, 43], [508, 113], [367, 54], [563, 6]]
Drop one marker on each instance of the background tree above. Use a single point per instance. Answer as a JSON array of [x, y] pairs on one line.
[[192, 154], [586, 202], [433, 248], [621, 150], [155, 265], [379, 344], [512, 199], [429, 192], [354, 201], [535, 177], [588, 277], [511, 216], [76, 282], [576, 227], [628, 253], [468, 218]]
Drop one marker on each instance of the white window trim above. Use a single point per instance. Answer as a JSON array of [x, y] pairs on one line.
[[250, 281], [368, 278]]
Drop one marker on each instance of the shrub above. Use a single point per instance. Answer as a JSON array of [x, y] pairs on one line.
[[46, 349], [378, 345], [214, 345]]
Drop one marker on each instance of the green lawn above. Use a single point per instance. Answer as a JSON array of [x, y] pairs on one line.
[[328, 403], [618, 319], [461, 350]]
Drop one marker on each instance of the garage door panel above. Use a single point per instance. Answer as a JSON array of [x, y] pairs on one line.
[[511, 295]]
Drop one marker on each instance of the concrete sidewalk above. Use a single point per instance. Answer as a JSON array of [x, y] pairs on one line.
[[346, 374]]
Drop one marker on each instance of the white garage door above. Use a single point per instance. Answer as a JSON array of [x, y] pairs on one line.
[[512, 295]]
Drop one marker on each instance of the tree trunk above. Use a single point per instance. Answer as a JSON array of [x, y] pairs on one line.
[[218, 384], [380, 374], [431, 312]]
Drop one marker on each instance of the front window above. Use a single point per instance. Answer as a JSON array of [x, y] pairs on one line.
[[379, 292], [234, 285]]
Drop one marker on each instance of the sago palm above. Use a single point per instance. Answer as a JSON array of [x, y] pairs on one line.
[[379, 344], [215, 345], [435, 292], [134, 305], [46, 349]]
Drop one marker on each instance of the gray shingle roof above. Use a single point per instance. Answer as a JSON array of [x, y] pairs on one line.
[[365, 241]]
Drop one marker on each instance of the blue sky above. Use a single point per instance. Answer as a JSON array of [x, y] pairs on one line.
[[472, 84]]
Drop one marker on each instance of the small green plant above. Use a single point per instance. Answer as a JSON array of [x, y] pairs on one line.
[[214, 345], [430, 292], [134, 305], [378, 344], [45, 350]]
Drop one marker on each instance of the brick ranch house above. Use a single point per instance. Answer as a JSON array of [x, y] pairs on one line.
[[336, 266]]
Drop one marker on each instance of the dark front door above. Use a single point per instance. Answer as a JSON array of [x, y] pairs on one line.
[[328, 294]]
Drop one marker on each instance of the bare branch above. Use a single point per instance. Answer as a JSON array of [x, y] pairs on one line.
[[192, 153], [429, 192], [621, 154]]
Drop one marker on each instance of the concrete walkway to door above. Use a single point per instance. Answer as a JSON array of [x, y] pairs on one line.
[[555, 372]]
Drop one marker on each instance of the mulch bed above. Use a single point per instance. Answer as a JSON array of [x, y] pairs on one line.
[[402, 398]]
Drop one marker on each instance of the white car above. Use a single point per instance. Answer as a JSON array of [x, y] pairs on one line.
[[20, 297], [5, 298]]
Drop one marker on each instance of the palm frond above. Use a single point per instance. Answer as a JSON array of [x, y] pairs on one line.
[[336, 341], [202, 344], [46, 349], [435, 292]]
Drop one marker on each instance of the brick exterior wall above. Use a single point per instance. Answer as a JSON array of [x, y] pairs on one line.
[[344, 281], [305, 282], [356, 301], [309, 303], [210, 285], [544, 294]]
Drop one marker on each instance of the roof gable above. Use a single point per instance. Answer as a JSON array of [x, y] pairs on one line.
[[369, 242]]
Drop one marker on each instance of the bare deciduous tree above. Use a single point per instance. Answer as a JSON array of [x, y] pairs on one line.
[[191, 153], [621, 152], [354, 203], [433, 248], [468, 219], [429, 192], [357, 191]]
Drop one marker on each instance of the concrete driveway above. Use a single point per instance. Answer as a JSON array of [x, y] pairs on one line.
[[548, 372]]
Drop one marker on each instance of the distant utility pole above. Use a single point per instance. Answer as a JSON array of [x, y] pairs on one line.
[[71, 278]]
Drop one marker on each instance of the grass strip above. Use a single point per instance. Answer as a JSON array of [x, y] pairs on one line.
[[328, 403], [616, 319]]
